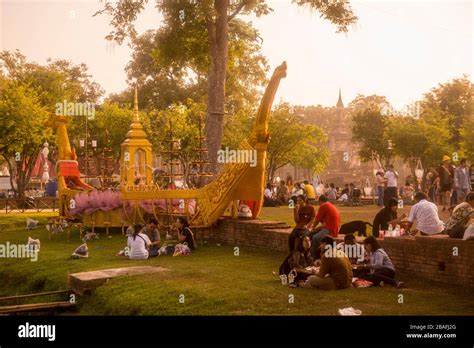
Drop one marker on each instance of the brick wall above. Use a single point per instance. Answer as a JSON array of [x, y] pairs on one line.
[[428, 257], [434, 258]]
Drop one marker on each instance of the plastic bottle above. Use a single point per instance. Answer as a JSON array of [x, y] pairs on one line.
[[397, 231], [390, 231]]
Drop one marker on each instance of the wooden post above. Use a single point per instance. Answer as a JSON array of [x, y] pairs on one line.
[[107, 228]]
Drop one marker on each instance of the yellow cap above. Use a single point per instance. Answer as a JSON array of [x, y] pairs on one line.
[[446, 158]]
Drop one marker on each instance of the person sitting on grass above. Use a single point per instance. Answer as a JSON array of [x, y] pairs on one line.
[[426, 216], [459, 219], [329, 217], [331, 193], [298, 260], [335, 270], [380, 269], [353, 250], [151, 230], [185, 235], [283, 194], [303, 214], [268, 199], [297, 191], [138, 244], [387, 216]]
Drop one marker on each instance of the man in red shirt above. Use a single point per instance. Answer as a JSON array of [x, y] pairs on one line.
[[329, 217]]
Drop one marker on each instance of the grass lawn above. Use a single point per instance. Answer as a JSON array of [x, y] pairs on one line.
[[212, 280]]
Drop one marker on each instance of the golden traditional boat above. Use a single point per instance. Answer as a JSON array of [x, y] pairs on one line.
[[96, 208]]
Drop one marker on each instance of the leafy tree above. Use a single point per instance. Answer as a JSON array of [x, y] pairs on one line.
[[185, 129], [293, 142], [454, 98], [36, 89], [376, 102], [172, 69], [55, 82], [109, 127], [368, 130], [238, 126], [22, 131], [318, 115], [467, 137], [426, 137], [187, 20]]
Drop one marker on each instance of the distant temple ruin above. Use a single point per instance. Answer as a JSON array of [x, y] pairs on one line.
[[344, 163]]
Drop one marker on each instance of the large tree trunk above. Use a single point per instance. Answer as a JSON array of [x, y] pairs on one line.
[[20, 173], [218, 43]]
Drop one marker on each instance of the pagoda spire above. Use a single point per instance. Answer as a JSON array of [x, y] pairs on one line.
[[340, 104], [135, 106]]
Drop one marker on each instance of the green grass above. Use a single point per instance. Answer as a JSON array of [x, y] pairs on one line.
[[212, 280]]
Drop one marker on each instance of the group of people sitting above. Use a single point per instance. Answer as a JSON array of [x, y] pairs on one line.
[[312, 241], [288, 192], [144, 242], [425, 214], [338, 264], [320, 263], [285, 192]]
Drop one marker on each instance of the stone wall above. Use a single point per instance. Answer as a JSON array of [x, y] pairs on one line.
[[438, 258]]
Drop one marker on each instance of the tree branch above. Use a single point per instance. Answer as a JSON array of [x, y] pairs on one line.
[[237, 10]]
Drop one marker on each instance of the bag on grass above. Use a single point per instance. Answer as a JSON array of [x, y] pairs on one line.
[[31, 224], [362, 283], [181, 250], [82, 251], [33, 244]]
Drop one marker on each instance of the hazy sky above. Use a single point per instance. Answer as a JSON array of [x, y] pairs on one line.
[[397, 49]]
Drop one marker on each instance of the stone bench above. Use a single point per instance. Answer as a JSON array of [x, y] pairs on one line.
[[87, 281]]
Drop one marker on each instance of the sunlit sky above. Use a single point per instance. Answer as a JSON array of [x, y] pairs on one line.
[[397, 49]]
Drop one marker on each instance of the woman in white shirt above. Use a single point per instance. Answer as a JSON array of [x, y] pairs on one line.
[[297, 190], [138, 244]]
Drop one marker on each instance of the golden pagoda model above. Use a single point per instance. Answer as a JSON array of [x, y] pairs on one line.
[[139, 196], [136, 156]]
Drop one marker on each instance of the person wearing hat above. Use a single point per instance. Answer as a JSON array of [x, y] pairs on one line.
[[445, 181]]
